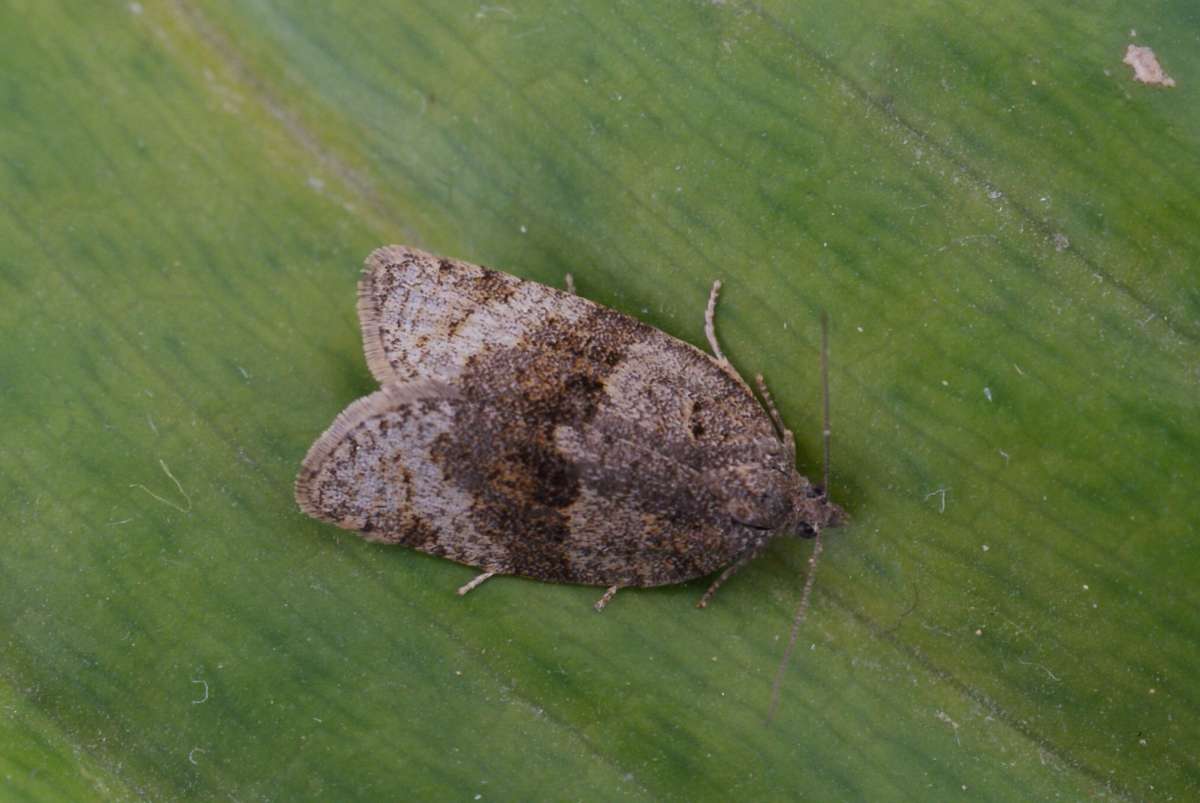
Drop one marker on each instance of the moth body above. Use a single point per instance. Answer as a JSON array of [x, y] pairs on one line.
[[523, 430]]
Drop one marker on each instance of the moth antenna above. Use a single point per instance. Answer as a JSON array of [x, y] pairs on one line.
[[827, 433], [801, 614], [806, 594]]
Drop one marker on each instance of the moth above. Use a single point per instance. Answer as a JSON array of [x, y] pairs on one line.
[[523, 430]]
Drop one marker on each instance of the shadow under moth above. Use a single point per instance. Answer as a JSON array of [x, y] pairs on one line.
[[524, 430]]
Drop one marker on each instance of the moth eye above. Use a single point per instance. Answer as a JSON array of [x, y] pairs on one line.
[[805, 531]]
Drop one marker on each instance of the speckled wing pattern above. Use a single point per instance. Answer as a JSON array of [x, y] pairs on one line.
[[524, 430]]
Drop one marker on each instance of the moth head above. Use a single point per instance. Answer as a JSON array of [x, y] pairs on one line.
[[812, 510]]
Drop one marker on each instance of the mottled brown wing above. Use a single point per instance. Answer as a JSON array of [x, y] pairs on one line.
[[474, 481], [581, 445], [427, 317]]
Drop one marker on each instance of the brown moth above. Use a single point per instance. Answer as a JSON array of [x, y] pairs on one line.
[[528, 431]]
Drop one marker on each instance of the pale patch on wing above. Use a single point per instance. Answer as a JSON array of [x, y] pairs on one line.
[[373, 471], [683, 395], [424, 316]]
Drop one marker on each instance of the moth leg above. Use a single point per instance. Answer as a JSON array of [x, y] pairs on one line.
[[604, 600], [788, 438], [710, 331], [710, 328], [479, 578], [747, 556], [569, 281]]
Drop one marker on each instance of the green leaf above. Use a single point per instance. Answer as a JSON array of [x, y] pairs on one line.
[[999, 220]]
